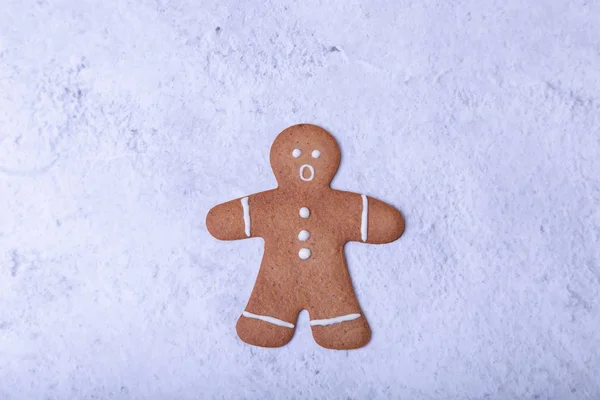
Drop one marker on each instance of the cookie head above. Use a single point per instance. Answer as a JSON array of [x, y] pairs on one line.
[[304, 155]]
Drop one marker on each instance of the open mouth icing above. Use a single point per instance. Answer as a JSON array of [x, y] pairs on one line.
[[310, 169]]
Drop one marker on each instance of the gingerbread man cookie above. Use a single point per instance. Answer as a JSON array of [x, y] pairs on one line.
[[305, 224]]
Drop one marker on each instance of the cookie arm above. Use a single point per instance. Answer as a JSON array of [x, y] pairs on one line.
[[379, 222], [231, 220]]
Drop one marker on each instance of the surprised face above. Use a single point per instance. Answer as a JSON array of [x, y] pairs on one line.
[[304, 155]]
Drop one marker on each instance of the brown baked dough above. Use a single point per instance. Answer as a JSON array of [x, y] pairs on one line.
[[300, 272]]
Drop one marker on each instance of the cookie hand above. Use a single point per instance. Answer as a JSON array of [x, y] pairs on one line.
[[385, 223], [231, 220], [379, 222]]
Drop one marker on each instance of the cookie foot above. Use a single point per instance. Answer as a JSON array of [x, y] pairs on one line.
[[341, 333], [264, 331]]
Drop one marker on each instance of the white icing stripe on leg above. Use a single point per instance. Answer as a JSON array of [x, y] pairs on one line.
[[246, 208], [364, 223], [336, 320], [268, 319]]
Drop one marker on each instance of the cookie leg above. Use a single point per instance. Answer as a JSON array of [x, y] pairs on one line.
[[264, 330], [342, 332], [336, 319], [270, 316]]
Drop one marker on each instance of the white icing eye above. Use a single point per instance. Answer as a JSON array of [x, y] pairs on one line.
[[316, 154], [296, 153]]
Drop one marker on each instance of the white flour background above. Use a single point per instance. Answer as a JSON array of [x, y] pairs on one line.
[[122, 123]]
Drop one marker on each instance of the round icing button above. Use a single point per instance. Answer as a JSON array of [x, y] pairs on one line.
[[304, 212], [303, 235], [304, 253]]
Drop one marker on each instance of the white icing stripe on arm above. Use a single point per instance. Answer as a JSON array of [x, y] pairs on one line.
[[268, 319], [246, 208], [336, 320], [364, 223]]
